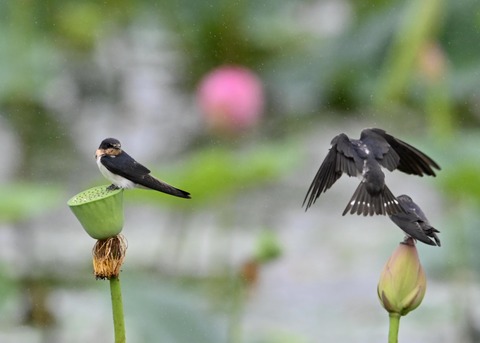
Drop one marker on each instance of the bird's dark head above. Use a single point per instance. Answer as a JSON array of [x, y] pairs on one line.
[[109, 147], [405, 198], [110, 143]]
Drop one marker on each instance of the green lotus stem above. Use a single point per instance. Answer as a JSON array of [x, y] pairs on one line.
[[439, 109], [117, 308], [394, 326], [420, 21], [100, 211], [236, 311]]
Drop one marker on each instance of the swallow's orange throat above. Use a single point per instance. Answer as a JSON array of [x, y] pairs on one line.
[[109, 152], [99, 153], [112, 151]]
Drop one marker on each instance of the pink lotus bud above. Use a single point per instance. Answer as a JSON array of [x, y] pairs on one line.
[[403, 282], [231, 99]]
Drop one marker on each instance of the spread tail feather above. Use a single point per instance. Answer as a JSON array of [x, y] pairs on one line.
[[362, 202]]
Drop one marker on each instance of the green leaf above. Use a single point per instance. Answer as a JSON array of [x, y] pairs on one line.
[[215, 173], [22, 201]]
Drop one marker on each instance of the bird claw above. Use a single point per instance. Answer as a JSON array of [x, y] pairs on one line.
[[112, 187], [408, 241]]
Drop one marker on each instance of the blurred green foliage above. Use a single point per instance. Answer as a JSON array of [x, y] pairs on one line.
[[215, 173], [459, 175], [372, 60], [8, 287], [305, 70], [462, 181], [267, 247], [369, 67], [169, 311], [23, 201], [417, 28]]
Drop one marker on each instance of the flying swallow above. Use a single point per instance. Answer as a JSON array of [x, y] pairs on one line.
[[414, 223], [124, 172], [365, 158]]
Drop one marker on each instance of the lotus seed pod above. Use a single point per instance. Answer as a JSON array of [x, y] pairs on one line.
[[99, 210]]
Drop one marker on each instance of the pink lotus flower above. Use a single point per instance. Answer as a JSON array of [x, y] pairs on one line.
[[231, 99]]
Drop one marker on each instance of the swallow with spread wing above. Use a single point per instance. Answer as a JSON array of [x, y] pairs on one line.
[[365, 158], [414, 223], [124, 172]]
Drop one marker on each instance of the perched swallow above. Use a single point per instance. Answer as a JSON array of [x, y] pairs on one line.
[[414, 223], [124, 172], [365, 158]]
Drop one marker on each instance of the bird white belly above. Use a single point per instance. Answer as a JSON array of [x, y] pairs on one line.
[[117, 180]]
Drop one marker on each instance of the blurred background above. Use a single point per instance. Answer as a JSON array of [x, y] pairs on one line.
[[235, 102]]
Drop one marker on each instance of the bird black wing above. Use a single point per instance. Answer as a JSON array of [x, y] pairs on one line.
[[341, 158], [416, 228], [125, 166], [412, 160], [414, 223]]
